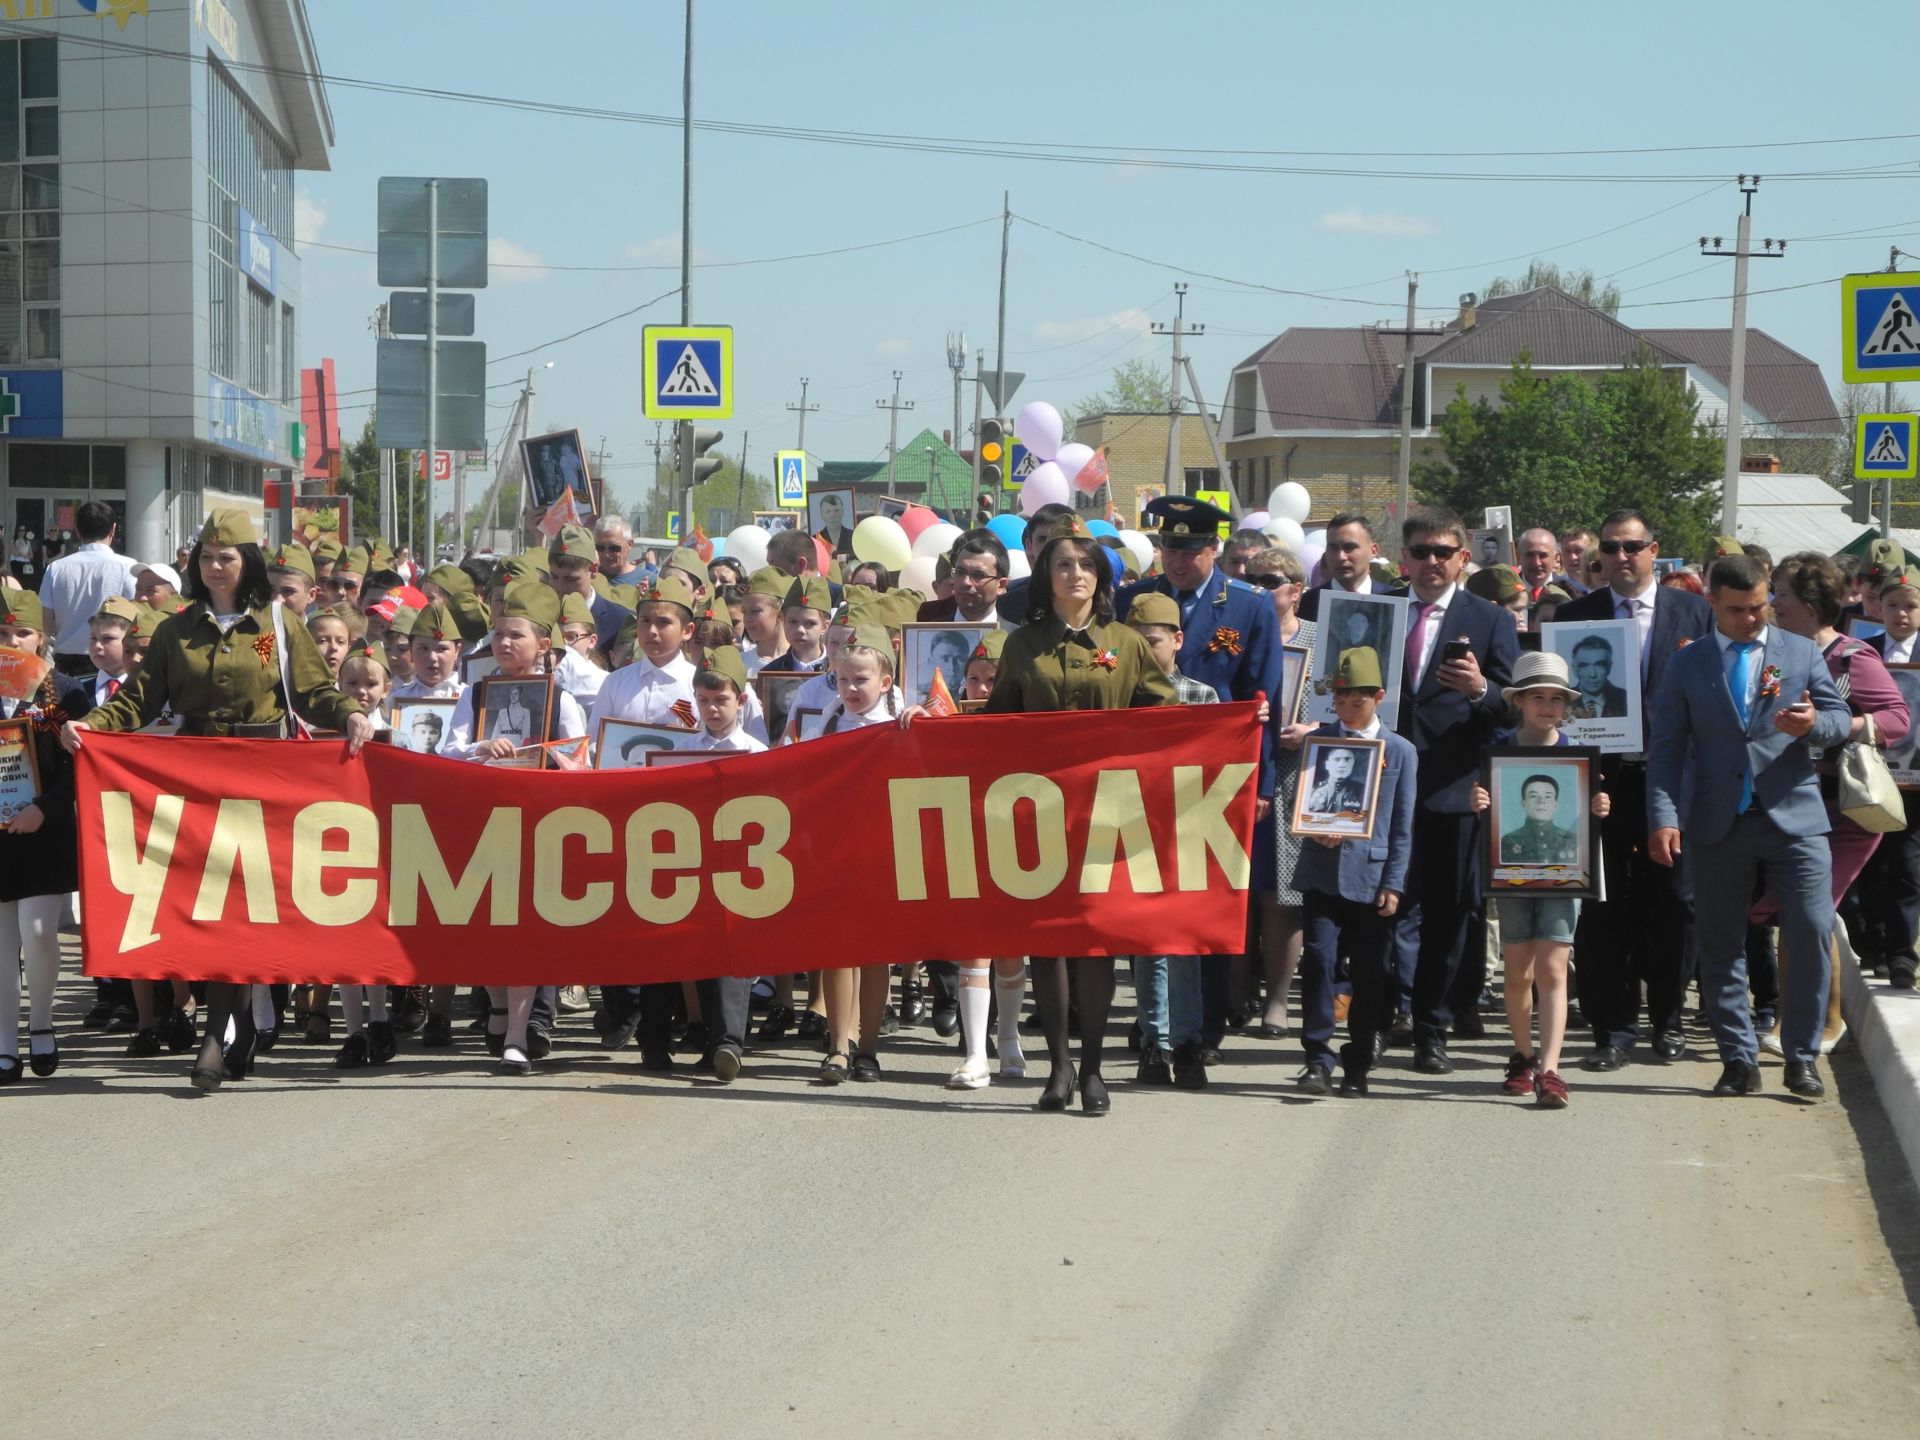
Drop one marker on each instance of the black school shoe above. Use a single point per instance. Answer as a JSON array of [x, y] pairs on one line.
[[437, 1034], [381, 1046]]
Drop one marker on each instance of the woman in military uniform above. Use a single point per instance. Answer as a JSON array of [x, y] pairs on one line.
[[1072, 655], [221, 665]]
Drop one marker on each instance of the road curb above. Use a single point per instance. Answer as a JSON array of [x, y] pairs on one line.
[[1885, 1024]]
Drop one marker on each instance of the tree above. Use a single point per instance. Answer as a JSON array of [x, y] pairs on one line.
[[1581, 284], [1565, 450], [360, 479], [1138, 387], [721, 490]]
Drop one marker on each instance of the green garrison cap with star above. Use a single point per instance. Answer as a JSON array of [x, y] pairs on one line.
[[1359, 669]]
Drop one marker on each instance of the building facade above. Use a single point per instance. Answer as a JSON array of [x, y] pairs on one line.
[[1136, 446], [149, 285]]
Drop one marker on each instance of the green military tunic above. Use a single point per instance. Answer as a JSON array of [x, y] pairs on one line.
[[217, 682], [1540, 842], [1046, 666]]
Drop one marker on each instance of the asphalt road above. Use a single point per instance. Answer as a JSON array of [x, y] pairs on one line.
[[432, 1250]]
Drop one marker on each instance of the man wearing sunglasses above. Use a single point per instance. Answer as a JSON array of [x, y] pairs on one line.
[[1449, 707], [1348, 560], [1639, 932], [612, 541]]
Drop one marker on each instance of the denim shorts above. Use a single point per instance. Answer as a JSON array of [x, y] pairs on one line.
[[1536, 917]]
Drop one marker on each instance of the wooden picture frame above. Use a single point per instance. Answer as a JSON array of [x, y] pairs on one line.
[[923, 647], [1903, 759], [1294, 663], [1334, 800], [625, 744], [19, 769], [775, 689], [658, 759], [774, 521], [1542, 851], [406, 715], [496, 715], [809, 722], [891, 506], [475, 668]]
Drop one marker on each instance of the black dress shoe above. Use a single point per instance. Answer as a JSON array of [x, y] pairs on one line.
[[946, 1020], [1210, 1055], [437, 1033], [913, 1002], [1189, 1070], [620, 1030], [145, 1043], [778, 1022], [98, 1016], [539, 1042], [10, 1069], [1154, 1069], [1605, 1059], [1400, 1033], [1738, 1078], [889, 1020], [123, 1018], [1900, 974], [696, 1038], [1379, 1046], [1059, 1088], [381, 1045], [353, 1054], [1431, 1058], [1669, 1045], [1803, 1079], [42, 1064], [1353, 1082], [812, 1026], [1469, 1026], [656, 1058], [1094, 1099], [179, 1032], [1315, 1081]]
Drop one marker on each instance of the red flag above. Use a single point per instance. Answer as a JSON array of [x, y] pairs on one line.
[[702, 546], [562, 512], [1093, 474], [939, 698]]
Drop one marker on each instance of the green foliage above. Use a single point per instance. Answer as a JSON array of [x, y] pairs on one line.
[[1139, 387], [1565, 450], [1581, 284], [721, 490], [360, 479]]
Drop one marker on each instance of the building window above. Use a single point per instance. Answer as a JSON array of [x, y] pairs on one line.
[[260, 354], [247, 168], [29, 201], [245, 158], [1198, 478], [76, 468]]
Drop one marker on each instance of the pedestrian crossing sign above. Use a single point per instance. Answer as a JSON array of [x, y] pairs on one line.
[[1021, 462], [1883, 447], [1880, 321], [687, 372], [673, 524], [791, 468]]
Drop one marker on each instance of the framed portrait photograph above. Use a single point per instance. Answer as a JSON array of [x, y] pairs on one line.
[[1603, 659], [515, 709], [774, 521], [830, 516], [658, 758], [1339, 787], [809, 722], [19, 769], [554, 464], [1859, 627], [1348, 622], [1498, 517], [626, 744], [776, 690], [943, 645], [1294, 660], [1542, 834], [1665, 565], [475, 668], [1903, 759], [1144, 496], [1487, 548], [891, 506], [421, 725]]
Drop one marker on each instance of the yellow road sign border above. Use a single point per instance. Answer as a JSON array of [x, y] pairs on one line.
[[1860, 424], [1851, 285], [780, 458], [650, 374]]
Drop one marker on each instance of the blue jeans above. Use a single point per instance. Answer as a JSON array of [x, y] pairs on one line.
[[1168, 990]]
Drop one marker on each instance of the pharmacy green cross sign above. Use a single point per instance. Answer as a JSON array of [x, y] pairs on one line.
[[9, 407]]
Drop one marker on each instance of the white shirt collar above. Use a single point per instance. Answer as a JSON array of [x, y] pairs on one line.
[[1644, 596], [1440, 605], [1372, 731], [1727, 643], [1365, 587], [678, 668]]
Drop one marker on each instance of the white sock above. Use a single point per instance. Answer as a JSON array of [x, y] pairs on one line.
[[353, 1005], [9, 977], [263, 1018], [975, 1000], [377, 1004], [1011, 991], [40, 943]]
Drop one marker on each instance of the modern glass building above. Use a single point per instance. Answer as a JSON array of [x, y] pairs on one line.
[[149, 286]]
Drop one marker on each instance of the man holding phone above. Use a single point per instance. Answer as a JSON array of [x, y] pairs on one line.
[[1460, 651]]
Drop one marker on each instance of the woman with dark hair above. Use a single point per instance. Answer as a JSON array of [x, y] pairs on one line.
[[725, 571], [229, 664], [1808, 595], [1072, 655]]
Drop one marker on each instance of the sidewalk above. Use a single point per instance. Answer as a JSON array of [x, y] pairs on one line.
[[1885, 1024]]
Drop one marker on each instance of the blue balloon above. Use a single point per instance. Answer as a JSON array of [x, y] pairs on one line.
[[1012, 530], [719, 546], [1097, 528], [1113, 562]]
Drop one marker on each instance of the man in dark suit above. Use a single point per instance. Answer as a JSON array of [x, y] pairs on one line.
[[1640, 932], [1730, 767], [1460, 652], [979, 577], [1600, 698], [1348, 561]]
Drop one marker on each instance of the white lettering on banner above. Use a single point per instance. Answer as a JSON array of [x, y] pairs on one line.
[[550, 836], [139, 873], [1049, 831], [312, 860], [417, 862], [1200, 825], [1119, 826], [775, 823], [907, 800], [644, 861], [239, 836]]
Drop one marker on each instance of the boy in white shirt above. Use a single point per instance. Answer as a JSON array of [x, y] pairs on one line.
[[435, 646], [657, 688], [717, 692]]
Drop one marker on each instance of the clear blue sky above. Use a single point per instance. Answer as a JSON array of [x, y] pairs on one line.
[[1242, 75]]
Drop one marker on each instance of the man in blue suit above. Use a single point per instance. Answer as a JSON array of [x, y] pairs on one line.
[[1640, 931], [1351, 889], [1730, 761]]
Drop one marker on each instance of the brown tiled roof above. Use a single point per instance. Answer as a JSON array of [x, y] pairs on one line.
[[1782, 384], [1557, 332], [1334, 379]]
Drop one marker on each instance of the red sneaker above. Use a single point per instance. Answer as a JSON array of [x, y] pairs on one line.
[[1550, 1091], [1520, 1073]]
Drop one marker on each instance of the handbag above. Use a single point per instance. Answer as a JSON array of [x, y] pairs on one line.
[[1867, 795]]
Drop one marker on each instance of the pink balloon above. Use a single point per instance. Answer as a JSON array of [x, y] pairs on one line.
[[1254, 520], [1044, 486], [916, 518], [1040, 428]]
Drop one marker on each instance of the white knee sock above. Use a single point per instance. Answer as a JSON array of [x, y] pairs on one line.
[[40, 943], [975, 1000], [353, 1005], [9, 977], [377, 1003], [1011, 991]]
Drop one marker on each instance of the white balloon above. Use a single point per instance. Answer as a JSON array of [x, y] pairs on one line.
[[1139, 545], [1017, 566], [1040, 428], [1045, 486], [918, 575], [936, 540], [1073, 458], [1287, 533], [1254, 520], [1290, 501], [748, 545]]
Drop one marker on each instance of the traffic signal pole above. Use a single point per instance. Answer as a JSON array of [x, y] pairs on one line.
[[686, 261]]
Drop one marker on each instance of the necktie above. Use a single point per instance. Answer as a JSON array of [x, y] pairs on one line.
[[1737, 687], [113, 688], [1630, 610], [1416, 640]]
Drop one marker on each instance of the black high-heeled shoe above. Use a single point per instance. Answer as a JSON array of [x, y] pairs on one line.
[[1093, 1094], [42, 1065], [238, 1057], [1059, 1089], [178, 1031], [210, 1069]]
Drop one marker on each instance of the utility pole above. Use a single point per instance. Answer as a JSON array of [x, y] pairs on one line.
[[387, 496], [979, 364], [1886, 405], [1737, 356], [957, 363], [1212, 432], [893, 409], [661, 489], [685, 428], [433, 368], [1179, 330], [803, 408], [1403, 470], [740, 490], [1000, 341]]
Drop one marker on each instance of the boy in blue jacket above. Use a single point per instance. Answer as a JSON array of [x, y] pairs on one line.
[[1351, 891]]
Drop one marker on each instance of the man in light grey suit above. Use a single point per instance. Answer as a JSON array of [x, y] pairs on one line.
[[1742, 709]]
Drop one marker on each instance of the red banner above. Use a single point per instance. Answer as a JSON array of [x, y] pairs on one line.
[[1092, 833]]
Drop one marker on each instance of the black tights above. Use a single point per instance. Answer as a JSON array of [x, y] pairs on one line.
[[226, 1002], [1092, 989]]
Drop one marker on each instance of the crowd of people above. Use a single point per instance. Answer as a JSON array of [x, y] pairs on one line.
[[1726, 857]]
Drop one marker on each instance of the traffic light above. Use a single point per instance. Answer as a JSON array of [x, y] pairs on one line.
[[993, 453], [704, 465]]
